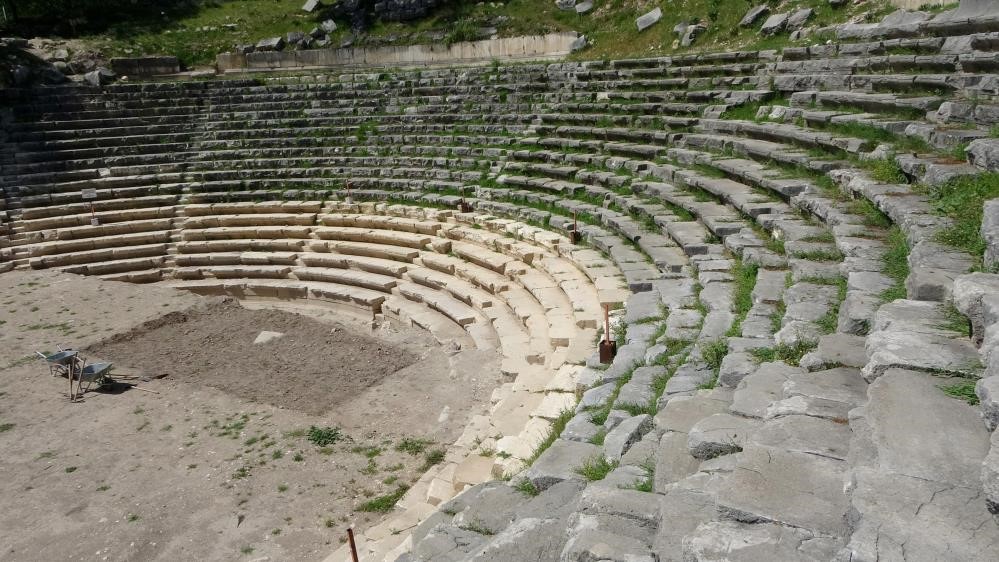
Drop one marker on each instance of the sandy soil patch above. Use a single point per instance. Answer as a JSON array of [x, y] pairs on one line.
[[216, 465]]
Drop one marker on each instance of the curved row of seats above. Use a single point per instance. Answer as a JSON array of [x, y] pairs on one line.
[[731, 191]]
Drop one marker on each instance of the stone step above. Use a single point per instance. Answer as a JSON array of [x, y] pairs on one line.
[[916, 488]]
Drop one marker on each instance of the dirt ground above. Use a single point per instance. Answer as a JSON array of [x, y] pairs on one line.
[[216, 463]]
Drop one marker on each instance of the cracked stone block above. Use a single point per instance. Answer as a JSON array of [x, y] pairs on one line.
[[827, 394], [731, 540], [628, 432], [734, 368], [793, 489], [681, 413], [836, 350], [913, 484], [921, 352], [638, 390], [761, 388]]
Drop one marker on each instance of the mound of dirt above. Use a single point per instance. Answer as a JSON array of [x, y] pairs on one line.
[[311, 368]]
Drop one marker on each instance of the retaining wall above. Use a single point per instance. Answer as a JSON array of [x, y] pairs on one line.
[[527, 47]]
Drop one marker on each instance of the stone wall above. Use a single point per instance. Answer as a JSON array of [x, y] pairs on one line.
[[145, 66], [528, 47]]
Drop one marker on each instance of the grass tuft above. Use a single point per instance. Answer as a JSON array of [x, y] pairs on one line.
[[385, 503], [596, 468], [964, 390]]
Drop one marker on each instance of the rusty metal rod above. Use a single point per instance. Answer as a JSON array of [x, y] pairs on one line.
[[353, 547]]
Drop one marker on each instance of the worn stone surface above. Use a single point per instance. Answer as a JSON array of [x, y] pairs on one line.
[[987, 390], [795, 489], [673, 461], [559, 462], [774, 24], [731, 540], [914, 486], [487, 506], [969, 291], [757, 391], [754, 14], [734, 368], [990, 233], [836, 350], [829, 394], [925, 352], [984, 154], [719, 434], [682, 412], [683, 510], [649, 19], [621, 438]]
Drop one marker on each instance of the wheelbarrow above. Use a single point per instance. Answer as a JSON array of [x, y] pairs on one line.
[[61, 362], [95, 375]]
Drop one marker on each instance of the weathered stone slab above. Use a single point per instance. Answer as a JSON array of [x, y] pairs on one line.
[[757, 391], [774, 24], [628, 432], [673, 461], [730, 540], [648, 20], [922, 352], [754, 14], [794, 489], [913, 484], [827, 394], [805, 434], [559, 462], [719, 434]]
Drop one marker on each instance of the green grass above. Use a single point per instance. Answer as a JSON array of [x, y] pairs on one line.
[[596, 468], [964, 390], [526, 487], [553, 432], [598, 438], [828, 322], [744, 277], [433, 458], [955, 321], [962, 200], [195, 37], [648, 483], [790, 354], [413, 446], [6, 427], [713, 352], [820, 255], [885, 171], [896, 264], [384, 503], [871, 215], [324, 436]]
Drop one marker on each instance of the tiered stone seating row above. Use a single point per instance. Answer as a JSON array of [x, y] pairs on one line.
[[759, 368]]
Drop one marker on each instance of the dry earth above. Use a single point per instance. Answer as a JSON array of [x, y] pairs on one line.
[[216, 464]]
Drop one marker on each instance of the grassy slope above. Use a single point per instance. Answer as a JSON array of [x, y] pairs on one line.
[[610, 26]]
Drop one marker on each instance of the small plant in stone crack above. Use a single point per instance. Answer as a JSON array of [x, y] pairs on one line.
[[526, 487], [596, 468]]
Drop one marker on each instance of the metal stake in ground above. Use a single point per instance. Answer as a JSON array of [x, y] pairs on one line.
[[575, 236], [353, 547], [608, 348], [350, 199]]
